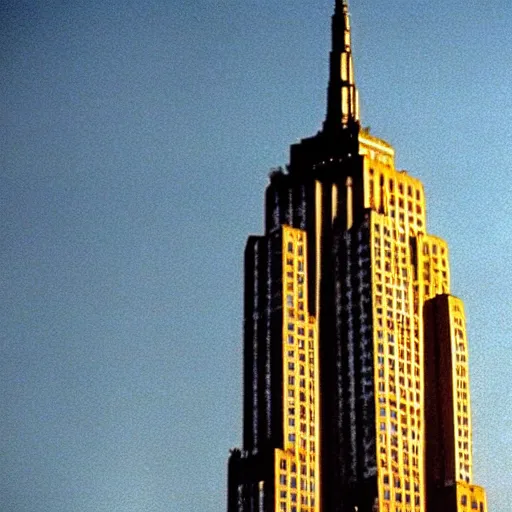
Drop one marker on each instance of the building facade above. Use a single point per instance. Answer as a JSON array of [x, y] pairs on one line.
[[356, 386]]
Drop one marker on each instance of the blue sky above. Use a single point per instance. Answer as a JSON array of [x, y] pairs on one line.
[[136, 139]]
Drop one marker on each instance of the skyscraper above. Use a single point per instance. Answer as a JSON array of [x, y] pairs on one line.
[[356, 388]]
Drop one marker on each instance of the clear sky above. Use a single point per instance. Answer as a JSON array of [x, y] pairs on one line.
[[136, 138]]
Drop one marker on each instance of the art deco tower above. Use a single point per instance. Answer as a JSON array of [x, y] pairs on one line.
[[356, 389]]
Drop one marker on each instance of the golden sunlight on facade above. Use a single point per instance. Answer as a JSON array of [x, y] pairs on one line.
[[297, 471], [356, 383]]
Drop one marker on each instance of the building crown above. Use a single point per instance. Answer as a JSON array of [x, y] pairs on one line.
[[342, 94]]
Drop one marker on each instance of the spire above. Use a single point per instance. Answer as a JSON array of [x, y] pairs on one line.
[[342, 96]]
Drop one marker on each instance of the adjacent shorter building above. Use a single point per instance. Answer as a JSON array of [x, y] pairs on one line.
[[448, 409], [356, 385], [279, 468]]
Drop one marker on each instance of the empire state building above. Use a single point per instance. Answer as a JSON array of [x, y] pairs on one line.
[[356, 384]]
